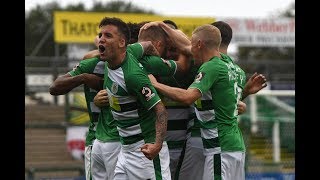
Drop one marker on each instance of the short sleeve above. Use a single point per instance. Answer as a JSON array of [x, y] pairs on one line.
[[136, 50], [158, 66], [84, 66], [140, 86], [207, 75]]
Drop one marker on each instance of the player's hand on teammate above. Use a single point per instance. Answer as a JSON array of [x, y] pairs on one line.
[[101, 99], [255, 83], [151, 150], [153, 80], [149, 24], [242, 107]]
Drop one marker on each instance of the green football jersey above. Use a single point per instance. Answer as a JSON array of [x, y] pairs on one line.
[[153, 64], [92, 66], [157, 66], [131, 96], [107, 127], [106, 130], [178, 113], [193, 125], [220, 83]]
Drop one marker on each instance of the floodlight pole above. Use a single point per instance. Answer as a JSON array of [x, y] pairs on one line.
[[276, 141], [253, 114]]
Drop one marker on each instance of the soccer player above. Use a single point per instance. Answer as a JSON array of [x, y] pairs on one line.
[[153, 64], [140, 115], [194, 159], [178, 113], [215, 92], [90, 72], [106, 147], [192, 164]]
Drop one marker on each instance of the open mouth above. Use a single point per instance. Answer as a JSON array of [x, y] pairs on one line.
[[101, 48]]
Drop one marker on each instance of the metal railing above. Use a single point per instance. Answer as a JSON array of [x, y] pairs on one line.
[[276, 71], [31, 171]]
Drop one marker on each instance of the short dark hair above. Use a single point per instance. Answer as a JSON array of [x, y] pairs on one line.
[[225, 30], [167, 21], [134, 31], [122, 26]]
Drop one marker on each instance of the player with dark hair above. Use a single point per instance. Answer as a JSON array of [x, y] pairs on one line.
[[141, 117], [134, 30], [104, 130], [171, 23]]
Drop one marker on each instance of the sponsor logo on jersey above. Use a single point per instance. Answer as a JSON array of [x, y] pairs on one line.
[[114, 88], [147, 93], [199, 77], [166, 62]]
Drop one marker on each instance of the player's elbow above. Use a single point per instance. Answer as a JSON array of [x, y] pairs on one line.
[[186, 100], [54, 90]]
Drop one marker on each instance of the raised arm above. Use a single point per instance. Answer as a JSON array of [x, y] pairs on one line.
[[178, 38], [183, 63], [255, 83], [149, 49]]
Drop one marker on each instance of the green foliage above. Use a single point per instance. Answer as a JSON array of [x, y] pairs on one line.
[[119, 6], [39, 21]]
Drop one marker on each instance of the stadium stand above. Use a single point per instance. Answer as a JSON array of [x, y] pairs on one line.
[[46, 154]]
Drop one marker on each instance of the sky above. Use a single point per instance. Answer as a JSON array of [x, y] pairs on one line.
[[196, 8]]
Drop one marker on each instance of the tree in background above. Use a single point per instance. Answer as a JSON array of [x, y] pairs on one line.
[[119, 6], [38, 23], [39, 40]]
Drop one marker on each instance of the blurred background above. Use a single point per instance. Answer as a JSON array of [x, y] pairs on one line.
[[59, 33]]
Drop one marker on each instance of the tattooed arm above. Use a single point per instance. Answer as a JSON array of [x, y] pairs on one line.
[[161, 122], [149, 48], [152, 150]]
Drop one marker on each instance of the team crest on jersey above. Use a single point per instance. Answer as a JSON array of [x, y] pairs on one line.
[[75, 67], [114, 88], [199, 77], [147, 93], [166, 62]]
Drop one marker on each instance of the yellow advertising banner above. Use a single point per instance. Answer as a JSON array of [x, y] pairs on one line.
[[82, 27]]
